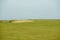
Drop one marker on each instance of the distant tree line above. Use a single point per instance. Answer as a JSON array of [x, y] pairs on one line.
[[11, 21]]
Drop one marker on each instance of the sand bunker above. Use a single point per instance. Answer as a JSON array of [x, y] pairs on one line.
[[21, 21]]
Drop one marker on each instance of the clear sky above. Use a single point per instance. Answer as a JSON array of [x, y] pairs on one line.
[[27, 9]]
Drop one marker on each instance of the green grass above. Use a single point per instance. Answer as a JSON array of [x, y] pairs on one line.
[[38, 30]]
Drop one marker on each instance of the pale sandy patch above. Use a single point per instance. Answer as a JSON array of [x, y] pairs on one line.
[[21, 21]]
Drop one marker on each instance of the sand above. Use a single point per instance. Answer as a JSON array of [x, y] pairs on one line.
[[21, 21]]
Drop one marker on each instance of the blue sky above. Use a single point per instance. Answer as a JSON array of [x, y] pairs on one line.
[[29, 9]]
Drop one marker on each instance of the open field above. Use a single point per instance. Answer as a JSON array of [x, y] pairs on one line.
[[37, 30]]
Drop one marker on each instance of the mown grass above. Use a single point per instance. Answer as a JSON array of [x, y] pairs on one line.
[[38, 30]]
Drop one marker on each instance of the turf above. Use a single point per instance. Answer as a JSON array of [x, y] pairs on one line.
[[38, 30]]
